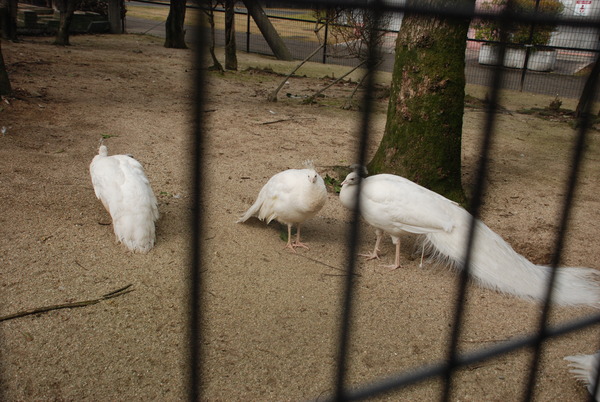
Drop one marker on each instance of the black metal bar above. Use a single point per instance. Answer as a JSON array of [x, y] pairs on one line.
[[548, 47], [528, 49], [367, 107], [474, 208], [247, 32], [326, 37], [195, 285]]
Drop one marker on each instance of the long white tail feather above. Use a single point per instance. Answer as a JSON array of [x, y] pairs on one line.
[[136, 230], [495, 265], [252, 211], [262, 209], [585, 369]]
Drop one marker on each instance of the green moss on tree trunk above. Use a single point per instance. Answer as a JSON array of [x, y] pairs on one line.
[[422, 138]]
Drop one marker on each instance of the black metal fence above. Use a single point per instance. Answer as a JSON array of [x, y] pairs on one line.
[[447, 369]]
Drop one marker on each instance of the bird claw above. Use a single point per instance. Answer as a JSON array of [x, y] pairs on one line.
[[292, 246], [370, 256]]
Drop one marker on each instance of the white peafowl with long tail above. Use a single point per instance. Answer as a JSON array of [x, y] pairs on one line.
[[395, 205], [585, 369], [122, 186], [290, 197]]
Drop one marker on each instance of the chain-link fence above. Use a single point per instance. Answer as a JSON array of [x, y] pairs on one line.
[[572, 49]]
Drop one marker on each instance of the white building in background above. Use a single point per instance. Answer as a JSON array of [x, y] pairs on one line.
[[565, 36], [578, 37]]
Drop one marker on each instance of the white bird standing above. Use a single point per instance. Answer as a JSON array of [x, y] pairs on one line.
[[290, 197], [394, 205], [585, 369], [122, 186]]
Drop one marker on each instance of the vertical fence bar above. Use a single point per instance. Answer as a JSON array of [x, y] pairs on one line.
[[528, 48], [247, 31], [195, 286], [474, 208], [326, 38], [367, 107]]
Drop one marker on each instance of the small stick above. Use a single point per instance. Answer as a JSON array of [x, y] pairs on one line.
[[282, 120], [273, 95], [114, 293], [276, 121], [311, 98], [327, 265]]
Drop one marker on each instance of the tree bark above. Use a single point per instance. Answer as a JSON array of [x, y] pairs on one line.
[[275, 42], [67, 9], [422, 137], [175, 34], [8, 19], [230, 47], [115, 16], [5, 88], [210, 14], [588, 90]]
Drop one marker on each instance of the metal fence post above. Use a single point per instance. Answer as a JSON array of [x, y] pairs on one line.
[[247, 31], [325, 39]]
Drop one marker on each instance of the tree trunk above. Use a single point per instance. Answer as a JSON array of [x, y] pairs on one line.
[[175, 34], [5, 88], [67, 9], [210, 14], [422, 137], [275, 42], [230, 48], [588, 90], [8, 19], [115, 16]]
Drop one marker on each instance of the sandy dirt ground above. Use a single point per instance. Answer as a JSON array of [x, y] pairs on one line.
[[271, 316]]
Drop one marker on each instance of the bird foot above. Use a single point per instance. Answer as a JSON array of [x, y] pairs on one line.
[[393, 266], [292, 246], [370, 256]]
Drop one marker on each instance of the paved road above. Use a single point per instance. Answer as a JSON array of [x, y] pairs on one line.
[[561, 82]]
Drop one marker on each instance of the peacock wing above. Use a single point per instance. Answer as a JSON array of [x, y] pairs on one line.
[[108, 179], [396, 204]]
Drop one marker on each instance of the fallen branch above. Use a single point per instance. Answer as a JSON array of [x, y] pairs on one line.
[[311, 98], [348, 104], [276, 121], [282, 120], [327, 265], [114, 293], [273, 95]]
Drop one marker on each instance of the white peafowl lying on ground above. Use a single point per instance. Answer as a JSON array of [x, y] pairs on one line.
[[122, 186], [394, 205], [585, 368], [290, 197]]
